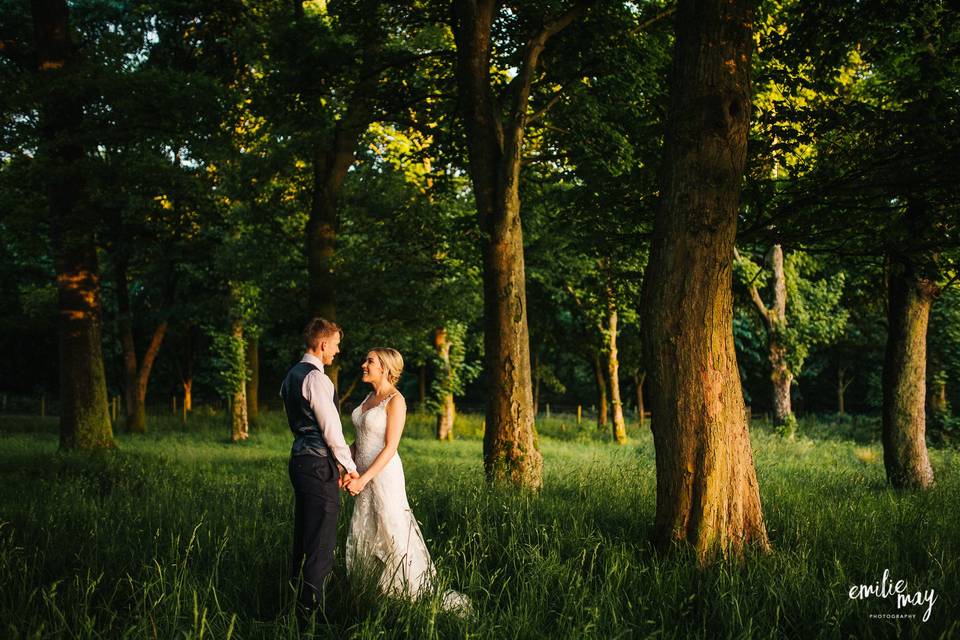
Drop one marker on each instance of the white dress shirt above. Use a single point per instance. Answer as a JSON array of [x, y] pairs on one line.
[[318, 391]]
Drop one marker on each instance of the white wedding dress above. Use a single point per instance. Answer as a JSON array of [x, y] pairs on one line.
[[384, 536]]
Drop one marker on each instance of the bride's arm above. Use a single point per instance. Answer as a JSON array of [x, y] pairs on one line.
[[396, 416]]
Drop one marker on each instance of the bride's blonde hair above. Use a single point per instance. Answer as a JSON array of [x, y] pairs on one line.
[[391, 361]]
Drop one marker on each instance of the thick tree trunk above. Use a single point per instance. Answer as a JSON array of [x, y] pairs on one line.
[[253, 379], [84, 416], [239, 423], [707, 492], [601, 379], [910, 299], [494, 147], [613, 369], [448, 411]]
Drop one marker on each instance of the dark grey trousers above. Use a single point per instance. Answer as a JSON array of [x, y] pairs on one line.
[[314, 480]]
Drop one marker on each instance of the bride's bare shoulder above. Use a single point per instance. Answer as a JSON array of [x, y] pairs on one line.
[[396, 403]]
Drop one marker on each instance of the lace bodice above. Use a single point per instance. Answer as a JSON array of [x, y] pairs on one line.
[[384, 537], [371, 428]]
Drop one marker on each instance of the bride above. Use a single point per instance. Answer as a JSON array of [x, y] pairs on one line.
[[383, 534]]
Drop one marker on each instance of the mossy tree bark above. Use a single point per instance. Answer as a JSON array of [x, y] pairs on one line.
[[910, 297], [707, 492], [775, 322], [84, 415], [494, 145]]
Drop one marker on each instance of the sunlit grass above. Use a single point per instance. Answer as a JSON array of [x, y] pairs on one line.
[[179, 533]]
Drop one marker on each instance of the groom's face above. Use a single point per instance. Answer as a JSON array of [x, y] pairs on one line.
[[329, 348]]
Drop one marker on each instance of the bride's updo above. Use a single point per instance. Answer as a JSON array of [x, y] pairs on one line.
[[391, 361]]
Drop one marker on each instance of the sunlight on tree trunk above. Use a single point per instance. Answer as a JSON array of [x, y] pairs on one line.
[[613, 370], [494, 145], [239, 425], [904, 377], [84, 415], [707, 492], [447, 412]]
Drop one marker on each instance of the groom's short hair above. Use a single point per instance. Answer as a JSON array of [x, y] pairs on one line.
[[318, 329]]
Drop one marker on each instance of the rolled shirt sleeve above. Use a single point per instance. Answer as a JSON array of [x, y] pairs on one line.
[[318, 391]]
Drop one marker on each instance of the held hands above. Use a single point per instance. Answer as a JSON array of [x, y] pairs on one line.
[[345, 477], [355, 484]]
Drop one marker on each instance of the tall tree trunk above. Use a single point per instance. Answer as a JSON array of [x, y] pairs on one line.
[[780, 375], [330, 165], [775, 321], [707, 492], [494, 147], [239, 423], [84, 415], [910, 298], [448, 411], [187, 395], [253, 380], [613, 369], [639, 377], [134, 412], [136, 375], [601, 391], [842, 383]]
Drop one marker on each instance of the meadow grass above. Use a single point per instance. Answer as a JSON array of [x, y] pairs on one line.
[[180, 534]]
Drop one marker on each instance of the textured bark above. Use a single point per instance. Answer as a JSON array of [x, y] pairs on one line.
[[707, 492], [253, 379], [84, 415], [448, 410], [775, 321], [494, 147], [239, 423], [613, 370], [601, 379], [910, 298]]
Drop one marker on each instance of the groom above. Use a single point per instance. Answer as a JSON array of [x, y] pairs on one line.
[[320, 459]]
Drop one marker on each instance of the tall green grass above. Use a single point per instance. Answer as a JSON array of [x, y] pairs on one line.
[[180, 534]]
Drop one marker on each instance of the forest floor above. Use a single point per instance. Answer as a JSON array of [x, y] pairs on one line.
[[179, 533]]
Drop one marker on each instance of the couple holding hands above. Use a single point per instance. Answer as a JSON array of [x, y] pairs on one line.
[[383, 535]]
